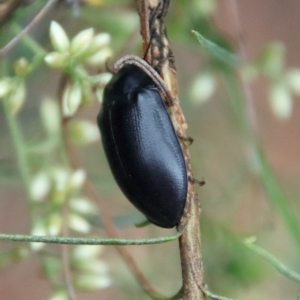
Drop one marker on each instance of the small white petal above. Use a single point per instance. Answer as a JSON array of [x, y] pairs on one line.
[[71, 99], [98, 267], [54, 224], [77, 179], [83, 206], [59, 295], [38, 230], [202, 88], [99, 57], [17, 98], [40, 186], [6, 84], [102, 79], [79, 224], [83, 132], [281, 101], [293, 80], [92, 282], [86, 252], [50, 115], [81, 42], [59, 38], [56, 59]]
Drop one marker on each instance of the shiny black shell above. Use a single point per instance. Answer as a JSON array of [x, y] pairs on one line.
[[142, 147]]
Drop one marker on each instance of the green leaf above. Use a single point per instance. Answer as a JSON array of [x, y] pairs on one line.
[[281, 267], [276, 196], [216, 51]]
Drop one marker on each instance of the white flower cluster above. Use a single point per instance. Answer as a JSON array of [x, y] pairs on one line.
[[85, 48]]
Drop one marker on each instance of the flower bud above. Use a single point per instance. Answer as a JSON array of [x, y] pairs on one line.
[[21, 67], [78, 223], [17, 98], [100, 41], [99, 57], [59, 38], [83, 132], [50, 115], [81, 42], [76, 179], [6, 85], [71, 99], [56, 60], [83, 206], [60, 177], [93, 266], [86, 252], [40, 186], [99, 94], [92, 282], [102, 79], [59, 295], [293, 80], [38, 229], [202, 88], [272, 59], [54, 224], [281, 101], [205, 7]]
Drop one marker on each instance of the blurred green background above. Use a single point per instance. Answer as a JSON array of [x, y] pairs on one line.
[[234, 202]]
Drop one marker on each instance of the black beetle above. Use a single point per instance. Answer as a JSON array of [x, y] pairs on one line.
[[141, 145]]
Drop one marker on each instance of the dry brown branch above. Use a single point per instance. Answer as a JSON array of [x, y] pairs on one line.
[[161, 58], [34, 22]]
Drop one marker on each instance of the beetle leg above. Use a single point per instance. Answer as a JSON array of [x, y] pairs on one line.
[[186, 139], [199, 182]]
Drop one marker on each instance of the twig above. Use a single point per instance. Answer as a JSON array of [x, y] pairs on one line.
[[12, 6], [34, 22], [161, 58]]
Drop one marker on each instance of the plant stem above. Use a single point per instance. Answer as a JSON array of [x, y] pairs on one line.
[[86, 241], [19, 147]]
